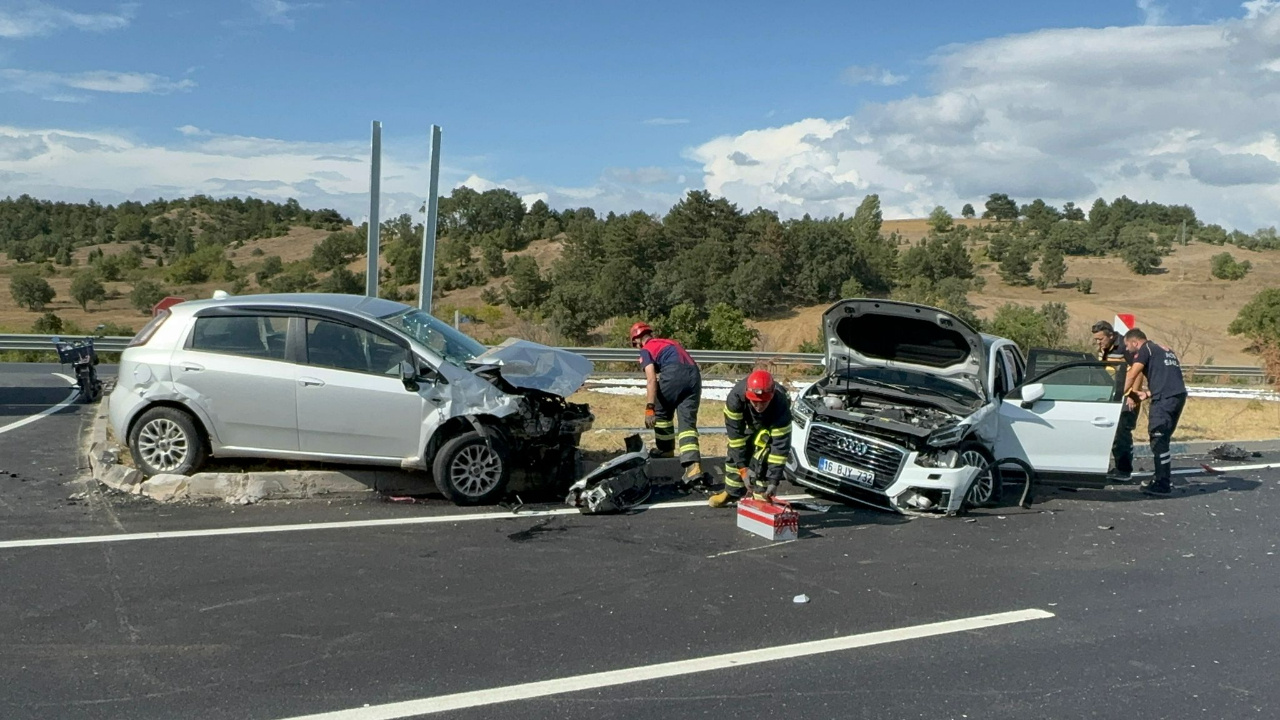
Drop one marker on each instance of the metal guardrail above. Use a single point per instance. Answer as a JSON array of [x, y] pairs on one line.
[[627, 355]]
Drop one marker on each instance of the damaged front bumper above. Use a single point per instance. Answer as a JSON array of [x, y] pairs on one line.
[[915, 488]]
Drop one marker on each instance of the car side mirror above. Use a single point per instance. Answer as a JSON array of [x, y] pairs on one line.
[[1031, 394], [409, 376]]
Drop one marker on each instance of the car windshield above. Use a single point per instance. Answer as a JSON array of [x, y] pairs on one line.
[[910, 382], [453, 346]]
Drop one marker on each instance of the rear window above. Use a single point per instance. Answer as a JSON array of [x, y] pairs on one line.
[[246, 335]]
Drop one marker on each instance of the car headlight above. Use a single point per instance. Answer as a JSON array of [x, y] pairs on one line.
[[945, 437], [801, 412]]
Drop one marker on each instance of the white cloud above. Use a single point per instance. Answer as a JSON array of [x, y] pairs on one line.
[[106, 81], [666, 121], [278, 12], [1175, 114], [1153, 13], [37, 19], [870, 74], [192, 131]]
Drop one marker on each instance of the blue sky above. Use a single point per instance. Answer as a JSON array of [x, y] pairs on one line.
[[802, 107]]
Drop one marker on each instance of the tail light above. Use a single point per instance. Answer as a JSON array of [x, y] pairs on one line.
[[149, 329]]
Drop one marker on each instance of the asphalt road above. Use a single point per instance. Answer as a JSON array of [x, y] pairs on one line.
[[1160, 608]]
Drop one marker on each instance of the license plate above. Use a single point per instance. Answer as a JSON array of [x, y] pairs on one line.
[[862, 477]]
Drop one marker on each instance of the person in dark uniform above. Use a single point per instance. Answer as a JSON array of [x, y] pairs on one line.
[[673, 384], [1168, 395], [757, 420], [1111, 350]]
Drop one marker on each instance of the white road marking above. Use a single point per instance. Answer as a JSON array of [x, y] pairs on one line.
[[340, 525], [762, 547], [43, 413], [643, 673], [70, 380], [1215, 468]]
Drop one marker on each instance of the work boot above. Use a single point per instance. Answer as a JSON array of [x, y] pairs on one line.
[[694, 477], [656, 454], [1156, 487], [1119, 476], [721, 499]]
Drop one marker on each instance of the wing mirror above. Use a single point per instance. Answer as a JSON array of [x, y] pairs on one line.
[[1032, 393], [411, 375]]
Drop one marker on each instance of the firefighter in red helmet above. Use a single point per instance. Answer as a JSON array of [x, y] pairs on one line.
[[673, 390], [757, 418]]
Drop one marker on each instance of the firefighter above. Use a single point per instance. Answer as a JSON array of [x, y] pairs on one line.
[[1111, 350], [1168, 395], [757, 418], [673, 390]]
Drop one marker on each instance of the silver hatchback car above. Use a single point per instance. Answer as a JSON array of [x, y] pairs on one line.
[[348, 379]]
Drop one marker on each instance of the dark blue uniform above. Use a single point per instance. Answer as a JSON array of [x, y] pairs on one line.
[[679, 392], [1122, 446], [1168, 398]]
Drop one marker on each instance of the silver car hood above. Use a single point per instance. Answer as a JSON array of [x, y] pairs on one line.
[[886, 333], [532, 366]]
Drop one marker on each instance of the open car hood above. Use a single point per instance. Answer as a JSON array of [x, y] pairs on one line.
[[885, 333], [531, 366]]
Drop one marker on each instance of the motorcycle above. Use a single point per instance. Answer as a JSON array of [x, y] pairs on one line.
[[82, 358]]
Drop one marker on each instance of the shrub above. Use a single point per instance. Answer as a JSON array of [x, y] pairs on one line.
[[1225, 267], [31, 291]]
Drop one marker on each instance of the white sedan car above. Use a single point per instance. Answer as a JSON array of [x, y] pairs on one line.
[[350, 379], [915, 407]]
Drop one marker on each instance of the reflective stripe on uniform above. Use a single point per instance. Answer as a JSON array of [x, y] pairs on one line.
[[733, 481], [732, 415], [777, 459], [780, 432], [738, 443], [665, 424], [688, 434]]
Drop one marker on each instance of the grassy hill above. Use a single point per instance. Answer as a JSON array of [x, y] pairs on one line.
[[1182, 303]]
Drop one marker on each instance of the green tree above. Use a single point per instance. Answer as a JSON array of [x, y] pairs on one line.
[[527, 289], [1138, 250], [1212, 235], [297, 277], [1259, 319], [1001, 207], [1031, 328], [1053, 267], [1084, 285], [940, 220], [337, 249], [937, 258], [1040, 216], [87, 287], [31, 291], [145, 295], [967, 211], [272, 265], [343, 282], [1015, 267], [728, 329], [1072, 213], [1225, 267], [999, 246], [47, 324], [1069, 237], [495, 265]]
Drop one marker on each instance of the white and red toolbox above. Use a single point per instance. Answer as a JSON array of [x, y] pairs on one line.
[[770, 519]]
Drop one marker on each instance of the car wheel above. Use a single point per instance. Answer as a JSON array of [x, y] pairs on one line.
[[985, 490], [472, 469], [166, 440]]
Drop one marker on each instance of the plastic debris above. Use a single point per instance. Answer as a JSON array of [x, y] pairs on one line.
[[1106, 527], [800, 599], [1227, 451]]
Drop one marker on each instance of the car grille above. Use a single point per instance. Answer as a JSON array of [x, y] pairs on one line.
[[855, 450]]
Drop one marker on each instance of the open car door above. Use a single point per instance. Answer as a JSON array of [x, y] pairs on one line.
[[1063, 423]]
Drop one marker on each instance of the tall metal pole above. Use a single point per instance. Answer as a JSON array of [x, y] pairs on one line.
[[375, 199], [426, 273]]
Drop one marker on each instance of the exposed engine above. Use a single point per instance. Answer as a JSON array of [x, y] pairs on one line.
[[862, 406]]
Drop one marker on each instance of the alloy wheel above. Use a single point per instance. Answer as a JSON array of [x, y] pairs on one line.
[[984, 485], [476, 470], [163, 445]]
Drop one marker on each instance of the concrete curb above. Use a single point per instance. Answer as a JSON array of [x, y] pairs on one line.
[[238, 488]]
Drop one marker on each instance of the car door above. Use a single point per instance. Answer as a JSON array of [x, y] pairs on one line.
[[1066, 433], [233, 367], [351, 400]]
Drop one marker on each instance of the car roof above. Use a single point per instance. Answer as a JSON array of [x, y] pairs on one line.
[[370, 306]]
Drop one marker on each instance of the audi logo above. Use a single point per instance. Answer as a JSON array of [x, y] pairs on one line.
[[850, 445]]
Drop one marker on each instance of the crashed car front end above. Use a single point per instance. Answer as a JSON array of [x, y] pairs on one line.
[[899, 406]]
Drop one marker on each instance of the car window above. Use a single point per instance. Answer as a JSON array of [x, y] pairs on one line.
[[1081, 383], [1013, 360], [453, 346], [342, 347], [247, 335], [1002, 385]]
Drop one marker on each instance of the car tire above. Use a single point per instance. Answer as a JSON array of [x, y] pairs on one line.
[[472, 469], [166, 440], [986, 488]]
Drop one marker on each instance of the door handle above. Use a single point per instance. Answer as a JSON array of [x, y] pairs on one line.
[[1103, 422], [192, 367], [310, 382]]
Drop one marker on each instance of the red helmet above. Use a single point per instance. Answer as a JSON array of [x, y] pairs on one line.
[[639, 330], [760, 386]]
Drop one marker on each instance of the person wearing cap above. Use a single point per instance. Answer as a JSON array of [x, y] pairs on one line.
[[1111, 350], [757, 419], [673, 390]]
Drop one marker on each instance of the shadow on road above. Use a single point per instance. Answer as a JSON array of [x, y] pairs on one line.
[[23, 401]]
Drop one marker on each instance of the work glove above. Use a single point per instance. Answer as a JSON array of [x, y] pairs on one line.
[[650, 417]]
